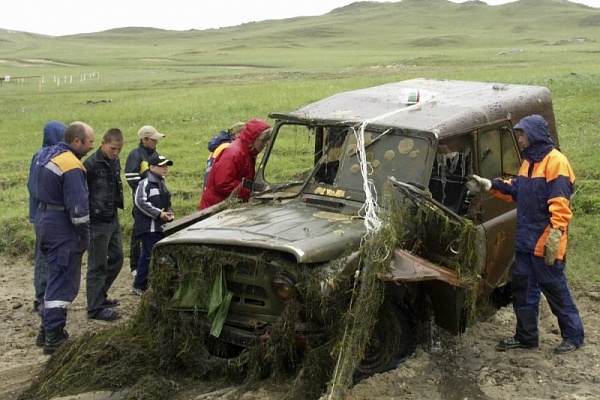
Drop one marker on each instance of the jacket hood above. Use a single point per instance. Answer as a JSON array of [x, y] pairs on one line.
[[222, 137], [54, 132], [540, 142], [252, 130]]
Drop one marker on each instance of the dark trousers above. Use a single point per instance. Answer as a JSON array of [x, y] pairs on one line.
[[532, 277], [63, 249], [105, 259], [148, 241], [40, 272], [135, 247]]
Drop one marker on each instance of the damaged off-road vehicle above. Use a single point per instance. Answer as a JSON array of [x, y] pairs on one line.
[[237, 267]]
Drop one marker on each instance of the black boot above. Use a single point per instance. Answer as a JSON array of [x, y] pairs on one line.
[[54, 339], [40, 339]]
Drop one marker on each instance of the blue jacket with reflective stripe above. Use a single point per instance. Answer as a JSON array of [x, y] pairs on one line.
[[60, 179]]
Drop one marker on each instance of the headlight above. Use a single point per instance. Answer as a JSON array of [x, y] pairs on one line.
[[284, 287], [165, 261]]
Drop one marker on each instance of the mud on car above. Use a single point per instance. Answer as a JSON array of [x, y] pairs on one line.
[[237, 268]]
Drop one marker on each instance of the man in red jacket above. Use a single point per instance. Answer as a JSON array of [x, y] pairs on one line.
[[235, 163]]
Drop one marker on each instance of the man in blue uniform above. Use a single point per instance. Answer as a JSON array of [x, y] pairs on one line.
[[62, 224], [54, 132]]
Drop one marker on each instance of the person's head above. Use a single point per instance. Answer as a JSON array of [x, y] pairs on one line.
[[149, 136], [54, 132], [262, 140], [256, 134], [112, 143], [532, 131], [159, 165], [80, 136], [522, 139], [235, 129]]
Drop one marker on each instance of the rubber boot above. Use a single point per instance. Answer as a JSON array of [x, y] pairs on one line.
[[54, 339], [40, 339]]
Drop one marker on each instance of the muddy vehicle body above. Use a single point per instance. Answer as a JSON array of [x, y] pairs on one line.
[[307, 221]]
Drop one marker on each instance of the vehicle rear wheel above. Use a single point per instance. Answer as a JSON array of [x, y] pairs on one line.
[[391, 342]]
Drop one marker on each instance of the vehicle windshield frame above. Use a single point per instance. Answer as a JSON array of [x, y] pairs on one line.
[[346, 186]]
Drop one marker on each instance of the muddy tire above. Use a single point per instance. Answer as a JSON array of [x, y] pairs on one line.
[[391, 342]]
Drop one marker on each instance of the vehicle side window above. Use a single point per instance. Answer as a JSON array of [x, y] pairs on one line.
[[511, 162], [498, 154], [451, 168], [490, 154]]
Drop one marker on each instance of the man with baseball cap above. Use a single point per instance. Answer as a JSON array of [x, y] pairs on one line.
[[136, 167]]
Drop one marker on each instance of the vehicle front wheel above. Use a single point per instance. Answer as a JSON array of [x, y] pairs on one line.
[[391, 342]]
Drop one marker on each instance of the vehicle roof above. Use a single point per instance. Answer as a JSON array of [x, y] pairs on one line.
[[445, 107]]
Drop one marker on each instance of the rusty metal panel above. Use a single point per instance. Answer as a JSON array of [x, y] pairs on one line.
[[408, 267], [446, 107]]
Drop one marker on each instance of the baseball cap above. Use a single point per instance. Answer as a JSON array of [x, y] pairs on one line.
[[149, 132], [157, 159]]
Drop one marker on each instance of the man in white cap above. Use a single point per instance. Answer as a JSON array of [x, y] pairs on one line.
[[136, 167]]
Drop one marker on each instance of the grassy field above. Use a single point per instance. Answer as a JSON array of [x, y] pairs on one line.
[[190, 85]]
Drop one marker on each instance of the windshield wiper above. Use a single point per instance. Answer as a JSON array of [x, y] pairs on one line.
[[418, 194]]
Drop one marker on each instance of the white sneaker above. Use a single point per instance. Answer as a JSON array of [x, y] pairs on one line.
[[134, 273], [136, 291]]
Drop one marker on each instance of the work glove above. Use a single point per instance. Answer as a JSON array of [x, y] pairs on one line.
[[477, 184], [551, 247]]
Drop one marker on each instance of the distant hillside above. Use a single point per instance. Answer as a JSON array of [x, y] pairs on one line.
[[370, 27]]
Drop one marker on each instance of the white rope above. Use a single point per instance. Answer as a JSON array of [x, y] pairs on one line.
[[370, 209]]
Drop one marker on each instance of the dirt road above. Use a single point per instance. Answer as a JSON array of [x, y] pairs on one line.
[[464, 368]]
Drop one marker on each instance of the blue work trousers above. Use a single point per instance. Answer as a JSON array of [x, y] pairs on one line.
[[40, 272], [148, 241], [63, 249], [531, 277], [105, 259]]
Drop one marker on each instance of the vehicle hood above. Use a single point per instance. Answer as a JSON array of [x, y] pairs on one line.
[[310, 234]]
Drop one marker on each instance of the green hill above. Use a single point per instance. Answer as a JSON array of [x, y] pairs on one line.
[[362, 33]]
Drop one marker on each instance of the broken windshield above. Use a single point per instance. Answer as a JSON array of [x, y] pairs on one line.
[[325, 159]]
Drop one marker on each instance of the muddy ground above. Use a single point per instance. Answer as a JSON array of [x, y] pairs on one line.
[[466, 368]]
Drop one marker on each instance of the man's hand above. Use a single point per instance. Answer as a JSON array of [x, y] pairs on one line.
[[477, 184], [252, 186], [551, 247]]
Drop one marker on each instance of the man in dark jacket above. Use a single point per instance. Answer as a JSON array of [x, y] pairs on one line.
[[105, 253], [542, 190], [63, 225], [236, 163], [136, 167], [54, 132], [152, 211]]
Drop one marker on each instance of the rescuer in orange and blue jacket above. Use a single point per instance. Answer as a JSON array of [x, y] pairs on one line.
[[542, 191]]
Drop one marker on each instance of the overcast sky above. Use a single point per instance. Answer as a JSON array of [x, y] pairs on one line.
[[65, 17]]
